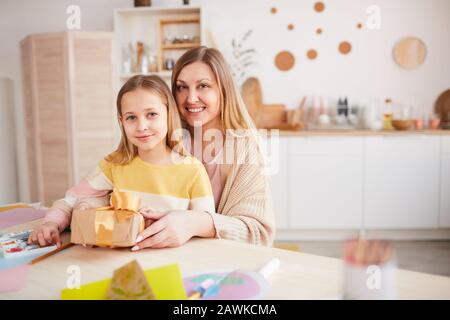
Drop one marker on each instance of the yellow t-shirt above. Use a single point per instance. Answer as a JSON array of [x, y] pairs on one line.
[[161, 187]]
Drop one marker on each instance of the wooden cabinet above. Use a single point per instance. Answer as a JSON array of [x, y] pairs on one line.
[[444, 210], [401, 182], [70, 111], [325, 183]]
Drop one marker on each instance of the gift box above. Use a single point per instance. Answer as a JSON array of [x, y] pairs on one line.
[[114, 226]]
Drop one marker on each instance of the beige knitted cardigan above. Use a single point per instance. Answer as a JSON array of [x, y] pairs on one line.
[[245, 208]]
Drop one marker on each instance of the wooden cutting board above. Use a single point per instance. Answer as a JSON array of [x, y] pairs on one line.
[[251, 93], [273, 116], [442, 106]]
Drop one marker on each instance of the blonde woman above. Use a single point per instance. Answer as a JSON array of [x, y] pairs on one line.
[[212, 109], [143, 164]]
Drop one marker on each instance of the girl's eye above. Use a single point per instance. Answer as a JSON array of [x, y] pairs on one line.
[[204, 85], [180, 87], [152, 114], [130, 118]]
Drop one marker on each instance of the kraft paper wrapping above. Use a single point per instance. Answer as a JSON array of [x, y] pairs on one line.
[[115, 226]]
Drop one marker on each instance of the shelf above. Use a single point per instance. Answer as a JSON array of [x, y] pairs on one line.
[[162, 74], [157, 10], [180, 46], [179, 20]]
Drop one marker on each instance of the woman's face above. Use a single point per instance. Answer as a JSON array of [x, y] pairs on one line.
[[197, 95]]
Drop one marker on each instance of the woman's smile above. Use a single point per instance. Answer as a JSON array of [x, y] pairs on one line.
[[193, 110]]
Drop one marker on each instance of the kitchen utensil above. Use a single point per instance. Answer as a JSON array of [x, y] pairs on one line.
[[402, 124], [442, 108]]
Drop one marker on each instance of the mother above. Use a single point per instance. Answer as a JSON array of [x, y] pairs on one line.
[[208, 101]]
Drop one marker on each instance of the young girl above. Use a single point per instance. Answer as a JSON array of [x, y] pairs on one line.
[[144, 164]]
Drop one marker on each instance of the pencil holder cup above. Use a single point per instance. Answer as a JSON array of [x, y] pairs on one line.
[[370, 282]]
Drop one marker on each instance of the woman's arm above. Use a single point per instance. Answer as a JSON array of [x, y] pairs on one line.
[[203, 225], [245, 210], [246, 215], [173, 228]]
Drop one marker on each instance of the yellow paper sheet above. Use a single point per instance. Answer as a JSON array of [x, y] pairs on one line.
[[14, 206], [165, 281]]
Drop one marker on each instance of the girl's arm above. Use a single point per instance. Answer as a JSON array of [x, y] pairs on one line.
[[201, 194], [97, 184], [201, 205]]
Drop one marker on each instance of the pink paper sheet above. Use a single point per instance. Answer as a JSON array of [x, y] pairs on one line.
[[19, 215], [14, 279]]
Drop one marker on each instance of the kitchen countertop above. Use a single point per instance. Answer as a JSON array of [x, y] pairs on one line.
[[356, 132]]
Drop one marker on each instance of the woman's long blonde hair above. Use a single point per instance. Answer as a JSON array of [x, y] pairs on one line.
[[235, 118], [126, 151], [234, 113]]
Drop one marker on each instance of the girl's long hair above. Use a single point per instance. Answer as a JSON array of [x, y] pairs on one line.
[[126, 151]]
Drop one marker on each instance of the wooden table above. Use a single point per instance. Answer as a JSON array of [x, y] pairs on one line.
[[300, 276]]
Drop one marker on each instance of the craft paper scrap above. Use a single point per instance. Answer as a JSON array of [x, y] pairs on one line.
[[237, 284], [129, 283], [165, 282]]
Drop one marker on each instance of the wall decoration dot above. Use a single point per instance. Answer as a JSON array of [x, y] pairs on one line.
[[409, 52], [273, 10], [284, 60], [311, 54], [319, 6], [345, 47], [319, 31], [359, 25], [290, 26]]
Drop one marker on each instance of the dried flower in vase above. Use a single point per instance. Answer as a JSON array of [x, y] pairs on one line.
[[242, 58]]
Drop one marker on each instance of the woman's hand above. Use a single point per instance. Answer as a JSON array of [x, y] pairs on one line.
[[167, 229], [45, 235]]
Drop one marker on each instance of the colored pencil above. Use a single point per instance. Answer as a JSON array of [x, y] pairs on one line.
[[64, 246]]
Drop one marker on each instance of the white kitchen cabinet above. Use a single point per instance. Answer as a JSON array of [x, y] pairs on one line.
[[325, 182], [401, 181], [276, 153], [444, 210]]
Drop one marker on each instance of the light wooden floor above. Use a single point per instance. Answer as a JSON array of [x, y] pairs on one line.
[[423, 256]]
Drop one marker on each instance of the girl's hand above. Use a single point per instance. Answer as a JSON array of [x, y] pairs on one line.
[[167, 229], [46, 234], [145, 211]]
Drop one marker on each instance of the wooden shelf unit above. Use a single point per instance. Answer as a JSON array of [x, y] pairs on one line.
[[163, 47], [149, 25]]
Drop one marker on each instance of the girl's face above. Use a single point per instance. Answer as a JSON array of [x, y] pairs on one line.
[[197, 95], [144, 119]]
